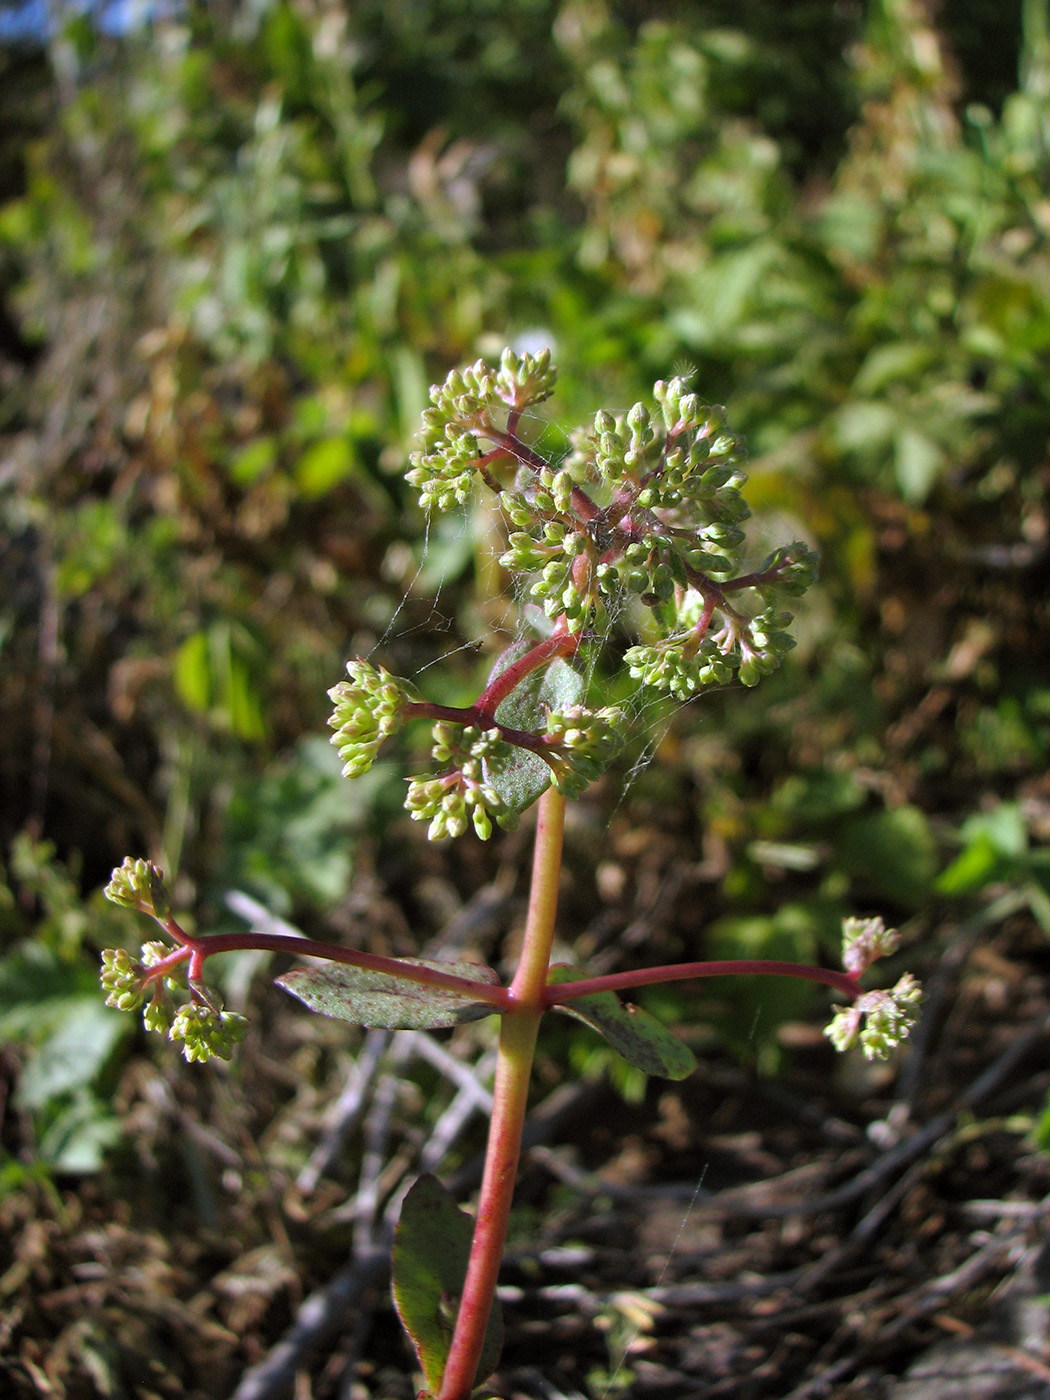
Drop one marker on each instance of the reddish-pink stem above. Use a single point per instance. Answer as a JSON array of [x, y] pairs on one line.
[[517, 1044], [201, 948], [561, 642], [682, 972]]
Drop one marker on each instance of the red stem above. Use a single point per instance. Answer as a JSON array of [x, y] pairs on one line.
[[517, 1044], [682, 972], [561, 642], [500, 998], [200, 948]]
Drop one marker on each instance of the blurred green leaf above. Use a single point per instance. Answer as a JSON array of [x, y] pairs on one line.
[[74, 1054], [892, 854], [324, 465]]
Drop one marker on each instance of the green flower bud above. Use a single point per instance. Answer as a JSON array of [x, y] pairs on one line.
[[864, 941], [138, 884], [368, 709], [205, 1032], [158, 1014], [121, 979]]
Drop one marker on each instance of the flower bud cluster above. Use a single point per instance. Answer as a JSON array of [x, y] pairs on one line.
[[524, 380], [864, 941], [445, 470], [369, 707], [762, 644], [679, 670], [687, 662], [794, 566], [665, 527], [879, 1020], [205, 1031], [688, 466], [582, 742], [472, 403], [121, 979], [464, 795], [138, 884]]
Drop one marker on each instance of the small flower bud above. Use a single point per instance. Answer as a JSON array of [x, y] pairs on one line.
[[138, 884], [368, 708]]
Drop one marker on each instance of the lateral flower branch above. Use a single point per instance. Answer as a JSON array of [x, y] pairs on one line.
[[645, 517]]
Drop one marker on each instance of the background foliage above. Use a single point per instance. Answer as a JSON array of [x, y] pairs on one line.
[[238, 242]]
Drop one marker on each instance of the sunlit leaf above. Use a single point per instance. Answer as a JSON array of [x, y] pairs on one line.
[[431, 1251], [383, 1001], [524, 777], [631, 1031]]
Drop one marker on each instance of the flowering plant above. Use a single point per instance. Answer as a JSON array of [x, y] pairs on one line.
[[645, 516]]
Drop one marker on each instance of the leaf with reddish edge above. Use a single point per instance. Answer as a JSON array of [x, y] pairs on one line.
[[524, 777], [383, 1001], [632, 1032], [431, 1251]]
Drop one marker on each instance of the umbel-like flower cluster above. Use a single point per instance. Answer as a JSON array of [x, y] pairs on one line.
[[138, 884], [146, 983], [879, 1020], [648, 506], [648, 511], [463, 792]]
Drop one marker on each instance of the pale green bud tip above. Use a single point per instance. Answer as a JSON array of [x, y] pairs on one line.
[[138, 884], [864, 941], [879, 1020]]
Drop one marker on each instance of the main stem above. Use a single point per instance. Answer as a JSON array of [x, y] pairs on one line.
[[517, 1044]]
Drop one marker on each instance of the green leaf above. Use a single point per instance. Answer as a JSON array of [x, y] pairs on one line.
[[917, 461], [524, 777], [893, 852], [632, 1032], [323, 465], [384, 1001], [972, 869], [252, 461], [1004, 827], [431, 1252], [73, 1056], [77, 1138], [898, 361], [996, 844]]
